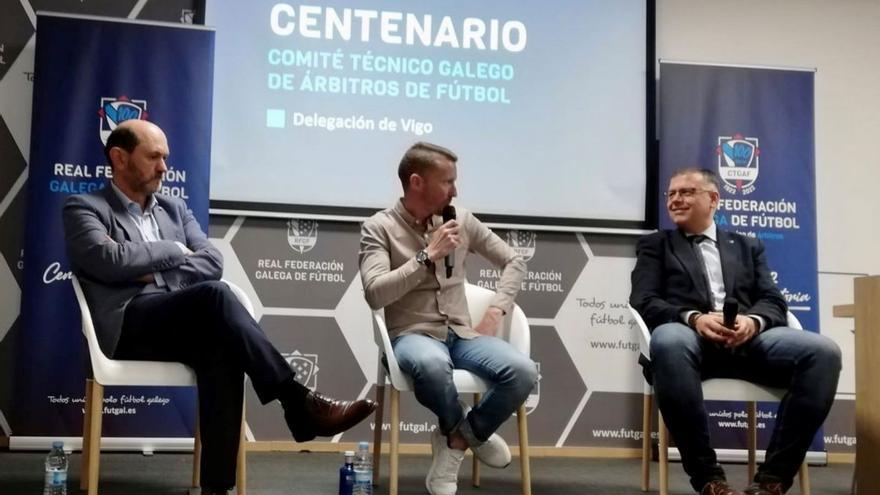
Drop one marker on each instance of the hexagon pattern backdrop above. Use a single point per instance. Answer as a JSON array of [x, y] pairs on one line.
[[302, 277]]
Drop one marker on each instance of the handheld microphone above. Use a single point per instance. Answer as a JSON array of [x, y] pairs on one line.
[[449, 214], [731, 308]]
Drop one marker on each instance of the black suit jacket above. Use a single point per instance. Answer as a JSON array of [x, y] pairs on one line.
[[667, 278]]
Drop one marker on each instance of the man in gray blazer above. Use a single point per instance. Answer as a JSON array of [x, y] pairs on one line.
[[152, 282]]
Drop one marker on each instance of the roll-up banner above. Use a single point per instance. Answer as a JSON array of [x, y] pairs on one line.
[[754, 127], [91, 74]]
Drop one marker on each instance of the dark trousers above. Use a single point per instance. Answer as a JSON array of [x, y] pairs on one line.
[[805, 363], [205, 327]]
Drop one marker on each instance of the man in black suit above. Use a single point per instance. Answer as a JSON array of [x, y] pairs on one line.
[[680, 283], [152, 282]]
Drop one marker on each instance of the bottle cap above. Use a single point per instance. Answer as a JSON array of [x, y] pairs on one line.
[[349, 453], [364, 445], [57, 444]]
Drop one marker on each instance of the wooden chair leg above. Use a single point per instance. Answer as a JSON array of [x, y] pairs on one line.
[[395, 441], [525, 470], [664, 455], [853, 488], [197, 451], [94, 452], [241, 464], [646, 441], [87, 426], [752, 439], [197, 456], [475, 476], [804, 479], [377, 432]]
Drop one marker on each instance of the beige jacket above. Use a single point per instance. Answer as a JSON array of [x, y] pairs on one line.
[[418, 299]]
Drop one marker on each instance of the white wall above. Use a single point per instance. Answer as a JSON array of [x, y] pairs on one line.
[[840, 39]]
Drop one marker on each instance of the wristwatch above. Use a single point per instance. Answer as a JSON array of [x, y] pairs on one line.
[[422, 258]]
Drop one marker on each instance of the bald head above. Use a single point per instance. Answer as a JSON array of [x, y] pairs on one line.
[[136, 150], [127, 135]]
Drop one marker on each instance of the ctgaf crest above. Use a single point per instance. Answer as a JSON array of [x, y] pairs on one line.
[[302, 234], [522, 242], [305, 366], [738, 162], [115, 111]]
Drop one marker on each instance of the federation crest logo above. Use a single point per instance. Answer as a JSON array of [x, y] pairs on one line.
[[115, 111], [187, 16], [305, 366], [523, 242], [738, 163], [302, 234]]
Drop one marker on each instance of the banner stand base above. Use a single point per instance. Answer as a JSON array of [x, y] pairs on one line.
[[813, 458], [146, 446]]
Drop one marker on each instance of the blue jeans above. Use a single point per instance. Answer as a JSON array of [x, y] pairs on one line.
[[430, 362], [805, 363]]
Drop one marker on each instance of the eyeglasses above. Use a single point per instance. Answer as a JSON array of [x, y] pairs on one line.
[[684, 193]]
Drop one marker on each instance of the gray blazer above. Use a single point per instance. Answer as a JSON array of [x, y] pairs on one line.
[[108, 256]]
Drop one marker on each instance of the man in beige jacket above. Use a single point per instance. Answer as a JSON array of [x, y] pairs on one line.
[[412, 265]]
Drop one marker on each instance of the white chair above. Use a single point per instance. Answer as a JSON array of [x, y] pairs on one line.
[[515, 330], [727, 389], [113, 372]]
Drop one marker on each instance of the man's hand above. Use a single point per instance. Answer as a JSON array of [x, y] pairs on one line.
[[489, 324], [743, 330], [443, 241], [711, 326], [184, 249]]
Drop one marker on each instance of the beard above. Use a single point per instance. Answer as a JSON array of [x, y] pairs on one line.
[[151, 186]]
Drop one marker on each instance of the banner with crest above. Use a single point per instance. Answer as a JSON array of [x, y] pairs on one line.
[[92, 74], [754, 127]]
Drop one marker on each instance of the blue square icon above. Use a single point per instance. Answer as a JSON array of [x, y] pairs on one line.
[[275, 118]]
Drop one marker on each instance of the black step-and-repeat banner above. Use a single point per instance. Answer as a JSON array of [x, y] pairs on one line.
[[303, 277], [92, 74]]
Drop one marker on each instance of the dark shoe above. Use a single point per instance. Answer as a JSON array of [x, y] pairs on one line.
[[718, 487], [765, 488], [322, 416]]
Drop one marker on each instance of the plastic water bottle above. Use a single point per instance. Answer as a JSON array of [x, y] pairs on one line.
[[56, 471], [363, 470], [346, 474]]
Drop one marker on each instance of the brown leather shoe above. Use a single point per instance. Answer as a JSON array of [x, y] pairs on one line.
[[319, 415], [718, 487], [765, 488]]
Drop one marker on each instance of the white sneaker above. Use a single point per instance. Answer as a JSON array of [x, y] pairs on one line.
[[443, 476], [494, 452]]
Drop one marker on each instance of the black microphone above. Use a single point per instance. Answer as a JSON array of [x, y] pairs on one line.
[[731, 308], [449, 214]]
